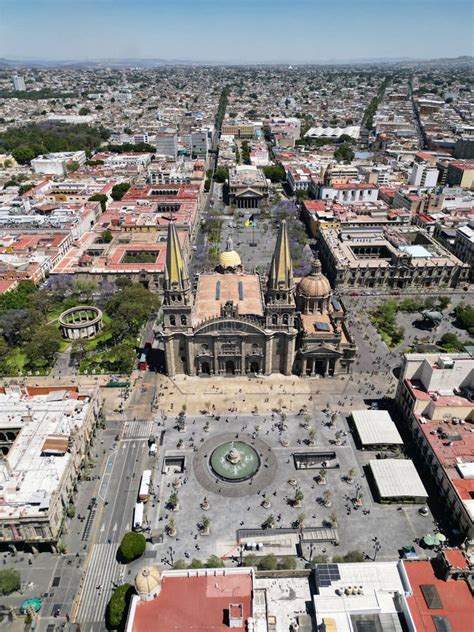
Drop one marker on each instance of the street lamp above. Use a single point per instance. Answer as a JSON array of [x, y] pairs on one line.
[[171, 552]]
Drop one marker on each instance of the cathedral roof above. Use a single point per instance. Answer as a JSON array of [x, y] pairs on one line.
[[229, 258], [315, 284]]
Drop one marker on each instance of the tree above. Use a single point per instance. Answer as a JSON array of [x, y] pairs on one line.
[[179, 565], [344, 153], [250, 560], [214, 562], [119, 190], [23, 155], [275, 173], [106, 236], [221, 174], [451, 343], [84, 111], [465, 317], [99, 197], [25, 188], [132, 546], [10, 581], [40, 350], [443, 302], [73, 166], [287, 563], [269, 522], [117, 606], [195, 563], [299, 496], [268, 563], [353, 556], [172, 501]]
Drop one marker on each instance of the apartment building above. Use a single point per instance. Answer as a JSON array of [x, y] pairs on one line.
[[435, 395]]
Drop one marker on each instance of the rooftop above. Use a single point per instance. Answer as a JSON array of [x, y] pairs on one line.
[[376, 427], [397, 478], [455, 600], [195, 602], [214, 290]]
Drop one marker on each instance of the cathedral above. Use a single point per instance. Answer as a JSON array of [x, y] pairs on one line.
[[237, 323]]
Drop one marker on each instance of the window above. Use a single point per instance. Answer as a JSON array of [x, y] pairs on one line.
[[286, 319], [172, 321], [183, 320], [274, 319]]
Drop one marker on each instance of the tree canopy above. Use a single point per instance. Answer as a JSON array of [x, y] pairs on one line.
[[28, 141], [9, 580], [117, 606], [132, 546]]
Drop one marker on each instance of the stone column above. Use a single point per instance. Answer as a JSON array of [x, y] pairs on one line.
[[190, 357], [290, 355], [303, 366], [268, 355]]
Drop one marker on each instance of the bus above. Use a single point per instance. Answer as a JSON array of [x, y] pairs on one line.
[[144, 491], [138, 517]]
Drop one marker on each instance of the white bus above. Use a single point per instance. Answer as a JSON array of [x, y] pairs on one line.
[[144, 491], [138, 517]]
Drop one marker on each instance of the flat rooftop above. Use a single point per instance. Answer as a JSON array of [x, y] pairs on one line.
[[195, 603], [397, 478], [33, 468], [375, 427], [214, 290]]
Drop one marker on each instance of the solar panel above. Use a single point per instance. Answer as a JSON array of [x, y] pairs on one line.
[[336, 305], [431, 595], [321, 326], [326, 574]]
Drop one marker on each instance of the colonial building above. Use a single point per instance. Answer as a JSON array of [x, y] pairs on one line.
[[234, 323], [248, 187]]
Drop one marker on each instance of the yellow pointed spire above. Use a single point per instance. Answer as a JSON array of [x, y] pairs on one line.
[[175, 269], [281, 271]]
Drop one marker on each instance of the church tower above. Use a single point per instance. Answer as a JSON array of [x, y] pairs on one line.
[[177, 306], [280, 308], [280, 300]]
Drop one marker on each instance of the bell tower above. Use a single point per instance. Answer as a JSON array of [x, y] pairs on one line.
[[280, 302], [177, 300]]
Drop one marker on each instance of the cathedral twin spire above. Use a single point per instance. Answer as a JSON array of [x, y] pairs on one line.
[[281, 270], [176, 275]]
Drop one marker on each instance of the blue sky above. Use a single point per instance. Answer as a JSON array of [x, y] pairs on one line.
[[237, 31]]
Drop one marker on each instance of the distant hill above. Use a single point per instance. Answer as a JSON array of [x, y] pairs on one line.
[[464, 60]]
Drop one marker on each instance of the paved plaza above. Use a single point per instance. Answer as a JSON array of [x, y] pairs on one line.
[[230, 512]]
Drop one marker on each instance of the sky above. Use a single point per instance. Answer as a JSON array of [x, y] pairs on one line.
[[246, 31]]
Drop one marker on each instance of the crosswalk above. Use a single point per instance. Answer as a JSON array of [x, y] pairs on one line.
[[138, 429], [103, 571]]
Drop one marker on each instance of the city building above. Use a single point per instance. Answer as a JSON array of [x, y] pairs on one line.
[[388, 257], [233, 324], [56, 164], [241, 130], [200, 143], [463, 246], [375, 430], [167, 143], [212, 600], [45, 436], [461, 173], [248, 187], [18, 84], [348, 193], [435, 396]]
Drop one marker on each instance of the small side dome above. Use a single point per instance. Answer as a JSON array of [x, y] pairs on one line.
[[315, 284], [148, 582], [229, 258]]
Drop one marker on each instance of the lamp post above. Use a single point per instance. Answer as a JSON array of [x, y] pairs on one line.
[[171, 552]]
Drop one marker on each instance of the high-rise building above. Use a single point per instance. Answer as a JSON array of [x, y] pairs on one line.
[[167, 143], [199, 143], [18, 84]]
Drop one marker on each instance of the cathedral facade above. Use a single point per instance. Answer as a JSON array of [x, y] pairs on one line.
[[234, 323]]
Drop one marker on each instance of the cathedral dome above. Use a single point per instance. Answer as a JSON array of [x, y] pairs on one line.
[[148, 581], [229, 258], [315, 284]]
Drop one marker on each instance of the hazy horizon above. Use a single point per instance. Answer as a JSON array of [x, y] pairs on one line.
[[239, 32]]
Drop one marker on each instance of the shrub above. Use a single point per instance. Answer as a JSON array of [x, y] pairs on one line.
[[287, 563], [117, 606], [268, 563], [9, 581], [195, 563], [214, 562], [132, 546]]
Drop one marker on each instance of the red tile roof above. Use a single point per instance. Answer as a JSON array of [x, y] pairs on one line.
[[195, 603], [455, 597], [456, 558]]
